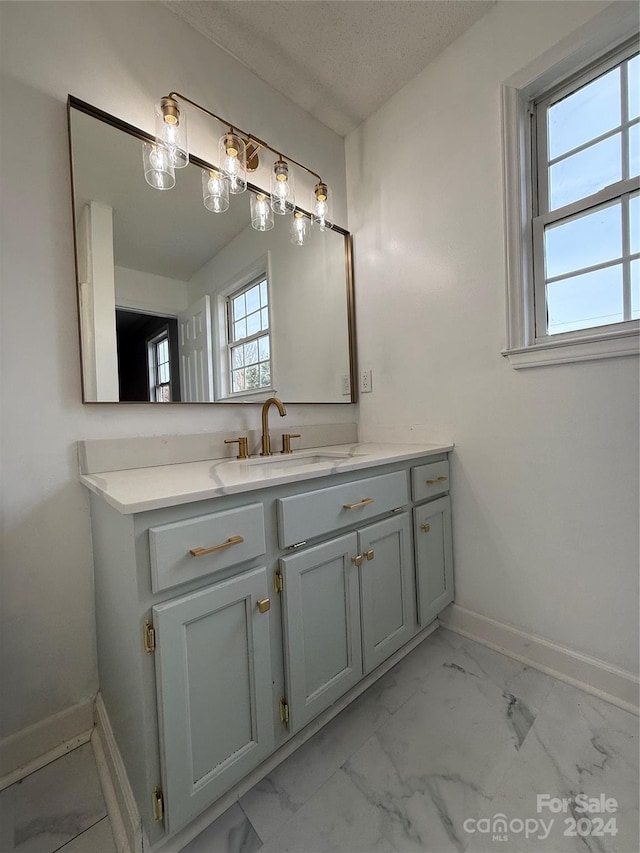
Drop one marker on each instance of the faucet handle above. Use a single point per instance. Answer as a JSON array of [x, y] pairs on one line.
[[286, 441], [243, 448]]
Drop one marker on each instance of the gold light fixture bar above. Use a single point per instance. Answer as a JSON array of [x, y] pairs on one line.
[[254, 143]]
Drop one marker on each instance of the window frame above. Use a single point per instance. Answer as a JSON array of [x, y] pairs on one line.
[[602, 40], [254, 281], [152, 363]]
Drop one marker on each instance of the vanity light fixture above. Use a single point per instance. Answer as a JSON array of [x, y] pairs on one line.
[[238, 154], [299, 228]]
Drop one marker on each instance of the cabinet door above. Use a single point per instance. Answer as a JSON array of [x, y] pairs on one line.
[[213, 671], [321, 610], [387, 588], [434, 558]]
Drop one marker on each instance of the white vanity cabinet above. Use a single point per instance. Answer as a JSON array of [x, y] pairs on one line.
[[226, 625]]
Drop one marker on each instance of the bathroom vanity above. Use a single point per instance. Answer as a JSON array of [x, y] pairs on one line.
[[239, 601]]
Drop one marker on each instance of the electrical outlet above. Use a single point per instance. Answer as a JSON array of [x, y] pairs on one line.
[[346, 385], [366, 381]]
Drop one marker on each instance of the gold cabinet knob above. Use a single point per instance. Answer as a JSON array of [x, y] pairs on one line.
[[425, 527], [369, 554], [264, 604]]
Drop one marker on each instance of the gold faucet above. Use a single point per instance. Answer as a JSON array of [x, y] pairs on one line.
[[266, 441]]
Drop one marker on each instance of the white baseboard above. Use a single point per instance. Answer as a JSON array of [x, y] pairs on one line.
[[126, 823], [594, 676], [32, 748]]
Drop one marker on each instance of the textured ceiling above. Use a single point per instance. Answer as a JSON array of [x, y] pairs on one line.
[[338, 59]]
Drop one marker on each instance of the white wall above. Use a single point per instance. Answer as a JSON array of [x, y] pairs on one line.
[[146, 291], [545, 473], [120, 57], [307, 281]]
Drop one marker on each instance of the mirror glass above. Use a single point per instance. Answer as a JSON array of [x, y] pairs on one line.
[[180, 304]]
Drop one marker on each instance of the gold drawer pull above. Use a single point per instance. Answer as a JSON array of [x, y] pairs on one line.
[[202, 552], [264, 605], [437, 480], [425, 527], [369, 554], [363, 502]]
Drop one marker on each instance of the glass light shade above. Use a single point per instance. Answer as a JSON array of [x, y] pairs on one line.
[[233, 161], [215, 191], [171, 131], [321, 206], [261, 212], [283, 195], [299, 228], [159, 170]]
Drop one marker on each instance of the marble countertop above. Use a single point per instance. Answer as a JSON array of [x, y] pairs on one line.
[[141, 489]]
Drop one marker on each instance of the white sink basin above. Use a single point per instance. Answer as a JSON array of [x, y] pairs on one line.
[[294, 460]]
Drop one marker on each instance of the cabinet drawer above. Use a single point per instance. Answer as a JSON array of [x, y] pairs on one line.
[[229, 537], [312, 514], [430, 480]]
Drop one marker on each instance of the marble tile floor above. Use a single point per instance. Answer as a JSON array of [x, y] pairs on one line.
[[426, 761]]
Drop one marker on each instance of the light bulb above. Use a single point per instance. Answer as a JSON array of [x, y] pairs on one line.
[[159, 169], [171, 131], [215, 191], [282, 189], [299, 228], [261, 213], [233, 161], [320, 208]]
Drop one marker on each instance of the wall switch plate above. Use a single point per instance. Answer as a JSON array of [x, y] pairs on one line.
[[366, 381], [346, 385]]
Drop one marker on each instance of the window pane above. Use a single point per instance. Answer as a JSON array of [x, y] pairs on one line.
[[251, 352], [634, 223], [635, 290], [253, 299], [163, 350], [592, 110], [237, 357], [585, 173], [264, 317], [238, 307], [165, 394], [583, 241], [237, 379], [253, 323], [634, 150], [239, 330], [263, 348], [263, 293], [634, 87], [163, 373], [265, 374], [584, 301], [252, 377]]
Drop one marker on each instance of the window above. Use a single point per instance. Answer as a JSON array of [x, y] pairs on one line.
[[159, 368], [249, 348], [586, 231], [572, 165]]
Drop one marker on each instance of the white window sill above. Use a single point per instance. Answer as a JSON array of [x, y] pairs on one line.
[[567, 351]]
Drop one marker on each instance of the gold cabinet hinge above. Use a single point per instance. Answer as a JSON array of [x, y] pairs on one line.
[[278, 581], [149, 637], [158, 804], [284, 711]]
